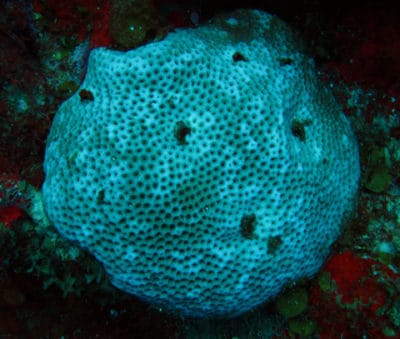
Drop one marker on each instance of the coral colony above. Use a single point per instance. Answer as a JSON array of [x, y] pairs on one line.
[[200, 166], [205, 171]]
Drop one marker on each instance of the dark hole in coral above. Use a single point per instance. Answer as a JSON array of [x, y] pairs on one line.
[[285, 61], [181, 130], [100, 196], [237, 56], [86, 95], [248, 225], [299, 130]]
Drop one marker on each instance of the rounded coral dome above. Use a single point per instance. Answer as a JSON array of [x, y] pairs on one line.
[[205, 171]]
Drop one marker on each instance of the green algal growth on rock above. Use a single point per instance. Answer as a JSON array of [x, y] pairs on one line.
[[293, 302], [303, 328], [132, 23], [377, 174]]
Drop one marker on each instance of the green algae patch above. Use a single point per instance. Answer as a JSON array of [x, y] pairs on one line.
[[302, 327], [68, 86], [132, 23], [326, 283], [379, 181], [377, 169], [291, 303]]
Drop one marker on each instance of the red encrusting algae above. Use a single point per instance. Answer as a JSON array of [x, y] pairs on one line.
[[85, 19], [12, 201], [358, 299], [10, 214]]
